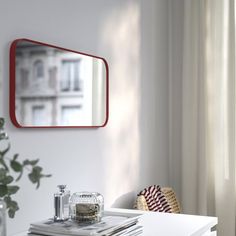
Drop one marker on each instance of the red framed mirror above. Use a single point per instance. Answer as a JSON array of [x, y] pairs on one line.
[[53, 87]]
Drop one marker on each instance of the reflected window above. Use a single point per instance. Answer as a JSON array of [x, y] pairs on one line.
[[70, 115], [24, 74], [70, 80], [38, 69], [38, 115], [18, 77]]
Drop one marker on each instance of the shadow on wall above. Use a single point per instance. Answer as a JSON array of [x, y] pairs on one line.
[[123, 136]]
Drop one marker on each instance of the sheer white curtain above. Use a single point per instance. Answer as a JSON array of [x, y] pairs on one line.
[[208, 183]]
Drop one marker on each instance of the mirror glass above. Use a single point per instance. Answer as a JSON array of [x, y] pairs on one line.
[[56, 87]]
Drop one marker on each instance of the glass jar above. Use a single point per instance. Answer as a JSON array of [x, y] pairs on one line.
[[3, 218], [86, 207]]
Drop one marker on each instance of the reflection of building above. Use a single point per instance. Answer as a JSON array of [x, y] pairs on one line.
[[57, 87]]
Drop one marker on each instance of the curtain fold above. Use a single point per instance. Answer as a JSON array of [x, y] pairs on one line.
[[208, 112]]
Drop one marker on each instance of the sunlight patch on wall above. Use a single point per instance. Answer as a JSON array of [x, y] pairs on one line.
[[122, 150]]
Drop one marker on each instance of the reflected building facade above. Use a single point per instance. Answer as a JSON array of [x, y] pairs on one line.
[[56, 87]]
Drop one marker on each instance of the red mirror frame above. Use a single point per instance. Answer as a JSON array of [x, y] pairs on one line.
[[12, 84]]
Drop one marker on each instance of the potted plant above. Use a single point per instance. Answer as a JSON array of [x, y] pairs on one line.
[[11, 171]]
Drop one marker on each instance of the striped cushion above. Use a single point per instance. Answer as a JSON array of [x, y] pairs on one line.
[[155, 199]]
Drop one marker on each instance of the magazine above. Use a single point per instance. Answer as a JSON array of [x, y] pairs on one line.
[[109, 225], [132, 231]]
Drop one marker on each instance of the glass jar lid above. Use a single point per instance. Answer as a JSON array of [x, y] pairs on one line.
[[87, 197]]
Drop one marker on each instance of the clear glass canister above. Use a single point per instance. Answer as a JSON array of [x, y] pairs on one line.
[[86, 207]]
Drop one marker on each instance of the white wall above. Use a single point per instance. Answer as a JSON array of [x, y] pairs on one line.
[[131, 152]]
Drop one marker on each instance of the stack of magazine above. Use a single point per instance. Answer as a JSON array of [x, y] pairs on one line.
[[110, 225]]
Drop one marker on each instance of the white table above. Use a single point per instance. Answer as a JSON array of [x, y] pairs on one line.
[[167, 224]]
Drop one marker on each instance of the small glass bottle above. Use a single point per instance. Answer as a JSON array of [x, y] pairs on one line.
[[86, 207], [3, 218], [61, 204]]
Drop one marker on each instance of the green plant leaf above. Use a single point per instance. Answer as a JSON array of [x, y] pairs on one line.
[[7, 180], [37, 169], [11, 213], [20, 175], [32, 163], [16, 166], [2, 122], [2, 153], [26, 162], [3, 173], [3, 163], [3, 190], [13, 207], [36, 175], [3, 135], [7, 200], [15, 157], [33, 177], [12, 189]]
